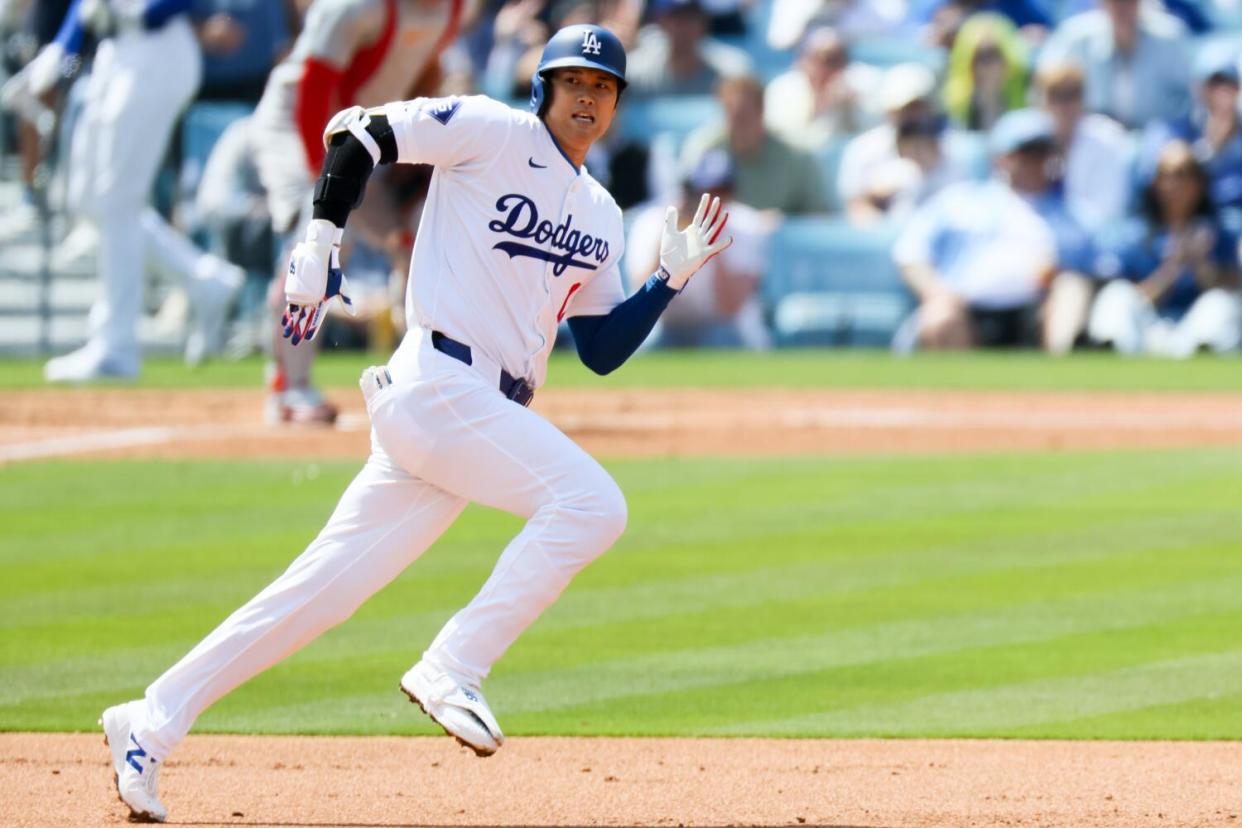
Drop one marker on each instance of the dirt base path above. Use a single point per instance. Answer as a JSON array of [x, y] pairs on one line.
[[627, 423], [52, 779]]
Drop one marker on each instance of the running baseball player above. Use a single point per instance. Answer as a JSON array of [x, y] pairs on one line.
[[349, 52], [145, 73], [515, 237]]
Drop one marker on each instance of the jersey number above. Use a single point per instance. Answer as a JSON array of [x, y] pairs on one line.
[[572, 289]]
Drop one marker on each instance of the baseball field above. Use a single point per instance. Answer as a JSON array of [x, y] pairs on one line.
[[854, 591]]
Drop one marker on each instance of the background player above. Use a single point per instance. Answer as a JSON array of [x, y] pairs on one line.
[[145, 72], [364, 52], [516, 235]]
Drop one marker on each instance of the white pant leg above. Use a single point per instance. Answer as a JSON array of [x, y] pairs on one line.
[[1214, 321], [452, 428], [384, 521], [1121, 315], [138, 92]]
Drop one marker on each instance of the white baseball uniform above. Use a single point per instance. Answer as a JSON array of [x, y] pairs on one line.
[[513, 239]]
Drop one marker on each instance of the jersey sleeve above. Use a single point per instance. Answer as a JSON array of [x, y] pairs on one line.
[[600, 295], [449, 132]]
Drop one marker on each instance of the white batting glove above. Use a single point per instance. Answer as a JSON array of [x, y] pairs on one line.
[[682, 252], [314, 277]]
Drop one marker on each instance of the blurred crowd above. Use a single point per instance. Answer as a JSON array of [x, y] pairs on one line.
[[1040, 173]]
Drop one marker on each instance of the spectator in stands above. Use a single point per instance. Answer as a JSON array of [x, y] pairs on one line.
[[720, 307], [823, 95], [1134, 61], [987, 72], [790, 20], [241, 41], [1212, 130], [676, 57], [1095, 150], [1174, 287], [980, 256], [890, 168], [944, 19], [1193, 13], [769, 173], [231, 204]]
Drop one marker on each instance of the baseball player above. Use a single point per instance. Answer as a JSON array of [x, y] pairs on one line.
[[145, 72], [349, 52], [516, 236]]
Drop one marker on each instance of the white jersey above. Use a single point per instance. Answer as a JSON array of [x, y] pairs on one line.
[[513, 237]]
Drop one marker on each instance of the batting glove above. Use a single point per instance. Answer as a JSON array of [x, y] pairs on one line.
[[682, 252], [313, 279]]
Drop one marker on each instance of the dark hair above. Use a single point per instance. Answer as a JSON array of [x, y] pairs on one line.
[[1150, 201]]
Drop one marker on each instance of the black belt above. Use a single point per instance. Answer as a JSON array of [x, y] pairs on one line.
[[514, 388]]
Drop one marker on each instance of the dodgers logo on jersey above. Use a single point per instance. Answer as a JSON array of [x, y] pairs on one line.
[[521, 219], [443, 111], [590, 44]]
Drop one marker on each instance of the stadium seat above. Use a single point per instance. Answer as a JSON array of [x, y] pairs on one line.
[[676, 116], [885, 51], [204, 123], [830, 283]]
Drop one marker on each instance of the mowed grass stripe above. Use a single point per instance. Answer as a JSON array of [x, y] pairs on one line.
[[1024, 705], [649, 679], [725, 561], [844, 591]]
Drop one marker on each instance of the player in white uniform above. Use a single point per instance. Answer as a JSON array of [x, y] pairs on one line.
[[146, 70], [516, 235]]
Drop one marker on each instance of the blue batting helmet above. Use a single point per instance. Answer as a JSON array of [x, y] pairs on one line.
[[584, 45]]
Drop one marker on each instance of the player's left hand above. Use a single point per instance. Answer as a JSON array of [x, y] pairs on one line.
[[682, 252]]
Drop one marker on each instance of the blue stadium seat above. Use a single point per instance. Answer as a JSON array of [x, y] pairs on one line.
[[830, 283], [890, 50], [676, 116], [204, 123]]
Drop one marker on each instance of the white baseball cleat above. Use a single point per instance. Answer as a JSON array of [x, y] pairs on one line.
[[89, 364], [134, 769], [460, 710]]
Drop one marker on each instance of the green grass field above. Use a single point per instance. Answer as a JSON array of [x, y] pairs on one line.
[[793, 369], [1094, 595]]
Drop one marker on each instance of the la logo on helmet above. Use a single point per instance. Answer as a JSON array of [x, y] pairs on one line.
[[590, 44]]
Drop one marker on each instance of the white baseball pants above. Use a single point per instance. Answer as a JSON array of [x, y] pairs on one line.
[[1124, 316], [442, 435], [139, 84]]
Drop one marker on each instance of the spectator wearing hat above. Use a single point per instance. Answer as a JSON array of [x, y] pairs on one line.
[[1211, 129], [1174, 271], [1095, 151], [675, 55], [981, 255], [790, 20], [824, 95], [720, 307], [769, 173], [1134, 61], [890, 168]]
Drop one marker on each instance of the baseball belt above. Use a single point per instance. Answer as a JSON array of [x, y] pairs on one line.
[[514, 388]]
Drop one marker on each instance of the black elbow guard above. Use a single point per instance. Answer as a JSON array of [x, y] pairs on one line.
[[347, 167]]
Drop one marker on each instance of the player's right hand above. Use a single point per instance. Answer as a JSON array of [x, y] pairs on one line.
[[314, 277]]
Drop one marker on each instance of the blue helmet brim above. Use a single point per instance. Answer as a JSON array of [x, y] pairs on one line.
[[575, 62]]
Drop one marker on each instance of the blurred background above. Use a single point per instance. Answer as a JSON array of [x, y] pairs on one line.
[[906, 174]]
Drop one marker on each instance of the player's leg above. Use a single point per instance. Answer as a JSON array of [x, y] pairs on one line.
[[383, 522], [209, 281], [452, 428]]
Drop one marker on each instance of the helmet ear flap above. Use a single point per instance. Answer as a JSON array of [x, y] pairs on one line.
[[538, 94]]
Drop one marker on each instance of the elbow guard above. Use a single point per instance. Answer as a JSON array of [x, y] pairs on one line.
[[356, 141]]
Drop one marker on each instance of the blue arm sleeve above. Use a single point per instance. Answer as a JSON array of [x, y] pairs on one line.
[[70, 34], [159, 12], [605, 342]]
